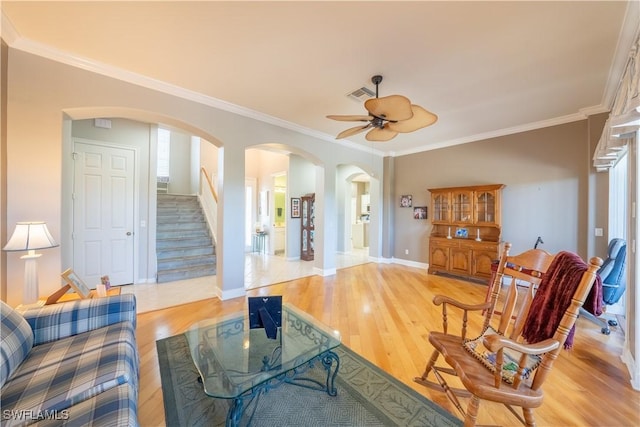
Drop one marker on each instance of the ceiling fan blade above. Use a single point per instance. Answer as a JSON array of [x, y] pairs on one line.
[[352, 118], [380, 134], [421, 118], [392, 107], [353, 131]]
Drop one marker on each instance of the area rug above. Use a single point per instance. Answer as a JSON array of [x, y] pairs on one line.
[[367, 396]]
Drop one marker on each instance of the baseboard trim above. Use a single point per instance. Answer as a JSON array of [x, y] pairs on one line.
[[324, 272], [634, 372], [409, 263], [230, 294]]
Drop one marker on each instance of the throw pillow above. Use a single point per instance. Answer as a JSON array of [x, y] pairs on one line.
[[511, 358], [17, 340]]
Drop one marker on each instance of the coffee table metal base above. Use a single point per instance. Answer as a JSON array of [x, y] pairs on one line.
[[330, 362]]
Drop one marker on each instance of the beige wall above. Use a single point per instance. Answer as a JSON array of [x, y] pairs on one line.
[[547, 171], [42, 95], [269, 163], [209, 159], [180, 165], [126, 133], [547, 174], [301, 180], [3, 167]]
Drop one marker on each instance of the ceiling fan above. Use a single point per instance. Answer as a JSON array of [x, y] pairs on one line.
[[387, 117]]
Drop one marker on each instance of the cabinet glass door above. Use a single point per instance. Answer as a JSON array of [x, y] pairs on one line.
[[485, 207], [308, 231], [461, 204], [312, 217], [440, 208], [305, 213], [305, 226]]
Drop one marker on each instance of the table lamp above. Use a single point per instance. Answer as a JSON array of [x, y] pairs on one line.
[[30, 236]]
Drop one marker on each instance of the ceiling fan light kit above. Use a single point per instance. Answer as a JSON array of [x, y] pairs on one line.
[[387, 117]]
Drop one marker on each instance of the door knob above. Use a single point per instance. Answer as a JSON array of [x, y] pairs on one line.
[[129, 233]]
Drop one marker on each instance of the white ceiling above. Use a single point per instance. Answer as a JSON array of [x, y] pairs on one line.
[[485, 68]]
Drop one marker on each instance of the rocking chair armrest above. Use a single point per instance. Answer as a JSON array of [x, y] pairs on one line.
[[497, 342], [443, 299]]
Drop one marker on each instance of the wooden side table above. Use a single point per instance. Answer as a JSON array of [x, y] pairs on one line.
[[61, 295]]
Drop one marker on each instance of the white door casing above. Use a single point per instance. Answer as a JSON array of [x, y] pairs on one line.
[[103, 212]]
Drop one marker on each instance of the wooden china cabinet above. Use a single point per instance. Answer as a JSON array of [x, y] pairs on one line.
[[307, 227], [466, 234]]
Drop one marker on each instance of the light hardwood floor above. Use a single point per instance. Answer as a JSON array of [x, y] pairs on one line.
[[384, 312]]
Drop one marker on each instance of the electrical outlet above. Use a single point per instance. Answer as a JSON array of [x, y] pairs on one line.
[[406, 251], [599, 232]]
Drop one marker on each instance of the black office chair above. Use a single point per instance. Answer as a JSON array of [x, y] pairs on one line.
[[613, 277]]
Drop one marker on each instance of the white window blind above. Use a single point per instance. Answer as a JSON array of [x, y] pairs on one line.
[[164, 154], [618, 199]]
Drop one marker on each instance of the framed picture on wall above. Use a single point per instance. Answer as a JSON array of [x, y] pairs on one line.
[[76, 283], [295, 207], [420, 212], [405, 201]]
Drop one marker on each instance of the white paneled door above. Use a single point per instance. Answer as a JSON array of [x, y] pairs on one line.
[[103, 212]]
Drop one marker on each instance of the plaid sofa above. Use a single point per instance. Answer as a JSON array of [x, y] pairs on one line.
[[74, 363]]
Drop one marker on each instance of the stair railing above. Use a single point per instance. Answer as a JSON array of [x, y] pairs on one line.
[[209, 201]]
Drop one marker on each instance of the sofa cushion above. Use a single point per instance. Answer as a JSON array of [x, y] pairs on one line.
[[511, 358], [17, 340], [114, 407], [60, 374], [55, 321]]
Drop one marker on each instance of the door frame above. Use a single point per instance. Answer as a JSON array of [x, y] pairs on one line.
[[135, 202]]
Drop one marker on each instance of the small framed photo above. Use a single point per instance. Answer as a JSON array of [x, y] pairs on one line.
[[106, 282], [405, 201], [76, 283], [420, 212], [295, 207]]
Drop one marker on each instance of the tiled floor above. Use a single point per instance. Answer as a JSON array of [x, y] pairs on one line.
[[260, 270]]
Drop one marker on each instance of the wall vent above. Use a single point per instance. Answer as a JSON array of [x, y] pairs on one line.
[[361, 94], [102, 123]]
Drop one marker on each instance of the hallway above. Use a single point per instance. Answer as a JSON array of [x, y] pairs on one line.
[[260, 270]]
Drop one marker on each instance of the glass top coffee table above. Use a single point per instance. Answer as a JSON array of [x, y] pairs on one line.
[[239, 363]]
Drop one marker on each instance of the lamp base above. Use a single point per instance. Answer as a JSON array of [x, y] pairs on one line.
[[30, 291]]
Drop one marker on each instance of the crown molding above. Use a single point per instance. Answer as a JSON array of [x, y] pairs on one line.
[[503, 132], [628, 34], [8, 31], [15, 41]]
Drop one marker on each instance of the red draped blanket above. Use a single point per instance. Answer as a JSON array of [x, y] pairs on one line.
[[553, 297]]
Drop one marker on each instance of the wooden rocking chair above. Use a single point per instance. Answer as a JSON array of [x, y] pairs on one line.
[[509, 361]]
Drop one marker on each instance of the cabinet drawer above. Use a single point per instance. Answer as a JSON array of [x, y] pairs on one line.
[[467, 244], [486, 247], [444, 242], [479, 246]]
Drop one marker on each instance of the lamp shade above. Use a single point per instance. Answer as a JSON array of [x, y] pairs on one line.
[[29, 236]]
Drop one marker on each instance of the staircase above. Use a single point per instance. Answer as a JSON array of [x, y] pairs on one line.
[[184, 247]]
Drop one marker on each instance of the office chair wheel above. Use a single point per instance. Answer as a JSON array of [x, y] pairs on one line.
[[605, 331], [612, 322]]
